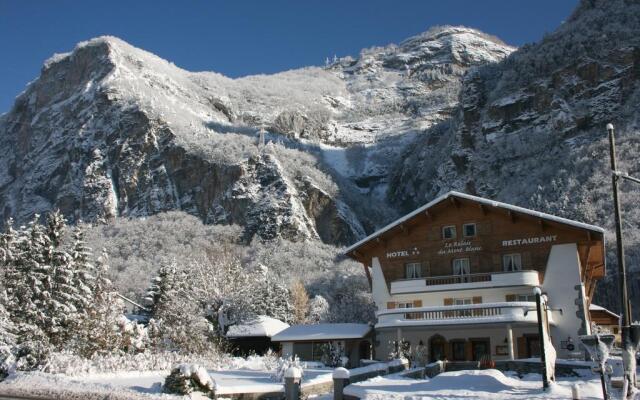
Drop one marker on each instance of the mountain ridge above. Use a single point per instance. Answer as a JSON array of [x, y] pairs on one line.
[[111, 130]]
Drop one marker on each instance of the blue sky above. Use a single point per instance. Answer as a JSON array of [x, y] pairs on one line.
[[239, 38]]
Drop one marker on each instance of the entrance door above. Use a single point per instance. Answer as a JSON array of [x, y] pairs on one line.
[[480, 349], [365, 350], [461, 269], [533, 346], [458, 350], [436, 348]]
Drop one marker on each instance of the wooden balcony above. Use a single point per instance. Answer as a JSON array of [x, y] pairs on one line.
[[468, 281]]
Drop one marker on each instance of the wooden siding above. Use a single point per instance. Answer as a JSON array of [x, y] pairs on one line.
[[497, 234]]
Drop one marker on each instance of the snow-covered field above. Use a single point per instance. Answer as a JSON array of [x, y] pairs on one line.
[[250, 376], [481, 384], [146, 384]]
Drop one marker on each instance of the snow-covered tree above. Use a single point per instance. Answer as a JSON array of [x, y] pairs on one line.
[[178, 320], [272, 298], [333, 354], [300, 302], [55, 298], [318, 310], [7, 338], [101, 329]]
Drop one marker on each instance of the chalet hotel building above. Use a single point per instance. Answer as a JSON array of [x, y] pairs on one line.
[[457, 276]]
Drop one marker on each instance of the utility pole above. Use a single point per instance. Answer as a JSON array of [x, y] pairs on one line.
[[622, 271], [628, 348]]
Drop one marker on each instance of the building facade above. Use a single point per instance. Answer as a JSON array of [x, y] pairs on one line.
[[457, 277]]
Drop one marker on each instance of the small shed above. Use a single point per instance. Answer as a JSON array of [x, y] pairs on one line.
[[255, 336], [606, 319], [308, 342]]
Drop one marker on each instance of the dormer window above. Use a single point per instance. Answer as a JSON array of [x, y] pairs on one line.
[[469, 230], [449, 232]]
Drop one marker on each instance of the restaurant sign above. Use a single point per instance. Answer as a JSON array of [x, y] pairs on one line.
[[530, 240]]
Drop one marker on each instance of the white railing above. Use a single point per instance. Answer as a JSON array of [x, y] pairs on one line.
[[475, 313], [468, 281]]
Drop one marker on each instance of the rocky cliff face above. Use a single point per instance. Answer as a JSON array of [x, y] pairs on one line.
[[109, 131], [530, 130]]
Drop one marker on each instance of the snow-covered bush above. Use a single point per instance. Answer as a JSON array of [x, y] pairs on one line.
[[73, 364], [399, 350], [188, 378], [333, 355], [421, 355], [283, 364]]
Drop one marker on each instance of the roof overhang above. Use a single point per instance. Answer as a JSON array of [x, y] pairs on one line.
[[480, 200]]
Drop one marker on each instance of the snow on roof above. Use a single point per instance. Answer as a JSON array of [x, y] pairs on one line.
[[595, 307], [323, 332], [480, 200], [261, 326]]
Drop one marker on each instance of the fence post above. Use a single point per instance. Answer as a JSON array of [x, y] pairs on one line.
[[575, 392], [292, 378], [340, 381]]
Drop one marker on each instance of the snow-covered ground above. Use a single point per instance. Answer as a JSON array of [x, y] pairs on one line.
[[147, 384], [480, 384]]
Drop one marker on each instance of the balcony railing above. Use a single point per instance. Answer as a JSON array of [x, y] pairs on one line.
[[451, 314], [451, 279], [505, 311], [468, 281]]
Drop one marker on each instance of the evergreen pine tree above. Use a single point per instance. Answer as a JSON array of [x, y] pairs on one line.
[[101, 331], [25, 283], [60, 316]]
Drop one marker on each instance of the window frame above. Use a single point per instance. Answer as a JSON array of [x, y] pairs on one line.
[[528, 298], [455, 233], [463, 300], [453, 266], [511, 257], [405, 304], [417, 275], [475, 229]]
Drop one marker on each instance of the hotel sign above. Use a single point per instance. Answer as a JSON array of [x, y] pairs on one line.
[[463, 246], [529, 240], [403, 253]]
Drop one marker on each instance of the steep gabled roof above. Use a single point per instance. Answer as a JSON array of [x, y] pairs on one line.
[[479, 200]]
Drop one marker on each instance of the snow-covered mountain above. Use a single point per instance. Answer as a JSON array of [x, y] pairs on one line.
[[530, 130], [110, 130]]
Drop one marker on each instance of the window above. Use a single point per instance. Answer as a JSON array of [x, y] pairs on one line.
[[405, 305], [469, 230], [512, 262], [462, 302], [461, 268], [449, 232], [412, 270], [526, 297]]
